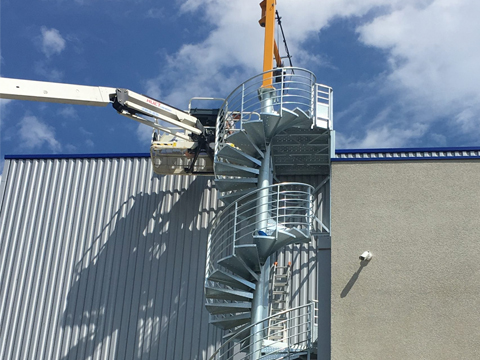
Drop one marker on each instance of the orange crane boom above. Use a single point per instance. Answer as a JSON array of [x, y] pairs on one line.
[[270, 46]]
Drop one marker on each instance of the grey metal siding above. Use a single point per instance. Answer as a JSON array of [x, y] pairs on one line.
[[102, 259], [303, 258]]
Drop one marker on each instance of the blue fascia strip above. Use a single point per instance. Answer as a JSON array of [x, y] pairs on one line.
[[400, 150], [339, 151], [409, 158], [77, 156]]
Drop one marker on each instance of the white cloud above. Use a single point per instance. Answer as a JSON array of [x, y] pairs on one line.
[[3, 104], [432, 50], [3, 109], [68, 112], [214, 66], [43, 70], [52, 42], [34, 134], [144, 134], [233, 50], [155, 13], [431, 46], [434, 57]]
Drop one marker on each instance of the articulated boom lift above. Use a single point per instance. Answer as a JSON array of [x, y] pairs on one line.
[[182, 142]]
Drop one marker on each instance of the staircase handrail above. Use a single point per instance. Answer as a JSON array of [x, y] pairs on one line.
[[311, 308], [299, 213], [295, 88]]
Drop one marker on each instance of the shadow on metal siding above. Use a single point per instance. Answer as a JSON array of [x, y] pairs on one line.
[[102, 259], [303, 257]]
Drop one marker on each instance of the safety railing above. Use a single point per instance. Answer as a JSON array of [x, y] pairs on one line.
[[284, 206], [324, 106], [300, 337], [293, 88]]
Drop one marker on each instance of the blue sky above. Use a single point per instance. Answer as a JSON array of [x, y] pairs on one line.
[[405, 73]]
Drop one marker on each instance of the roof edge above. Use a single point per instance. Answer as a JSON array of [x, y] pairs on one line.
[[77, 156], [430, 153], [392, 154]]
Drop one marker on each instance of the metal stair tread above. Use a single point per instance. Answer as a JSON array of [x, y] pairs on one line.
[[241, 140], [240, 333], [256, 132], [229, 198], [229, 184], [228, 308], [284, 238], [237, 156], [226, 169], [238, 267], [230, 322], [249, 254], [231, 280], [270, 123], [299, 233], [303, 118], [275, 123], [227, 294]]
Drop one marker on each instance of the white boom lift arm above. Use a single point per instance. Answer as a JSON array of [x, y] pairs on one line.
[[126, 102], [138, 107]]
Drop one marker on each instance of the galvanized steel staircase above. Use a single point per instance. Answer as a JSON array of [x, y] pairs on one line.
[[254, 128]]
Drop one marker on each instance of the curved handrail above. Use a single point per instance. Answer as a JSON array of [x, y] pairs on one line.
[[217, 218], [290, 205], [304, 330], [293, 88]]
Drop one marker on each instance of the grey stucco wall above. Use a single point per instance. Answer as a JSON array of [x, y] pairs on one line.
[[419, 297]]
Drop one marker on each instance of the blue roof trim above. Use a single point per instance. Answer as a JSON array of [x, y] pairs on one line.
[[396, 154], [398, 150], [408, 158], [77, 156], [385, 154]]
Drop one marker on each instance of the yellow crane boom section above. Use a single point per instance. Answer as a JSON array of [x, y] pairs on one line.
[[270, 46]]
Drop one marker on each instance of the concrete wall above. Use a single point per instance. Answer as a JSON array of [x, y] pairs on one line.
[[419, 297]]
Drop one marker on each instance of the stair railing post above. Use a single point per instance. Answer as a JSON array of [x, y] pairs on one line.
[[281, 93], [235, 227], [241, 106], [310, 210], [289, 332], [310, 324], [278, 209]]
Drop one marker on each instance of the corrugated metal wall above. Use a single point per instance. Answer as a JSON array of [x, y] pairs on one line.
[[102, 259], [303, 257]]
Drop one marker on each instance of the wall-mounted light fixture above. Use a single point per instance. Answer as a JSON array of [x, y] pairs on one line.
[[366, 256]]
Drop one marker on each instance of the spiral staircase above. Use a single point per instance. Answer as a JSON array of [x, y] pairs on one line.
[[263, 133]]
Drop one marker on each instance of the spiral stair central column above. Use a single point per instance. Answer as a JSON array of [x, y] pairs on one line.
[[260, 296], [265, 177]]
